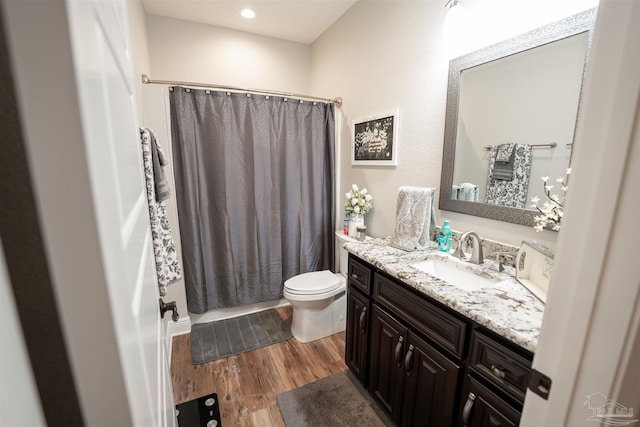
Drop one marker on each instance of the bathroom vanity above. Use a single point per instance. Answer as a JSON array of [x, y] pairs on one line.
[[434, 354]]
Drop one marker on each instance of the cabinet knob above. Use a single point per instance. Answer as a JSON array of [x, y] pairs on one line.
[[354, 276], [467, 409]]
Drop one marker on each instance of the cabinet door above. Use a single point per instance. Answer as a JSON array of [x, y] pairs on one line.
[[484, 408], [357, 336], [388, 346], [431, 380]]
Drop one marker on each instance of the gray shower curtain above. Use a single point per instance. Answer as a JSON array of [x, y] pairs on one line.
[[255, 192]]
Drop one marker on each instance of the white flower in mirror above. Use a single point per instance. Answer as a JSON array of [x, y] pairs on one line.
[[552, 210]]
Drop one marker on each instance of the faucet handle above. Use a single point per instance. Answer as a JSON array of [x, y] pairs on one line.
[[497, 264], [457, 252], [480, 259]]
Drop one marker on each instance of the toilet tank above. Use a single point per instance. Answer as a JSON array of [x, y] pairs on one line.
[[343, 255]]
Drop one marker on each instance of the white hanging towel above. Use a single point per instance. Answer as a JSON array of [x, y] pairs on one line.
[[469, 192], [164, 249], [415, 218]]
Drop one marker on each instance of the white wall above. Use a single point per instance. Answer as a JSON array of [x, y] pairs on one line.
[[385, 55], [139, 47], [187, 51], [155, 102], [378, 57]]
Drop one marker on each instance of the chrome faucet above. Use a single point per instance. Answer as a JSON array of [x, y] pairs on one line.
[[477, 256]]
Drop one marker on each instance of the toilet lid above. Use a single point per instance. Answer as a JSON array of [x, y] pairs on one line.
[[316, 282]]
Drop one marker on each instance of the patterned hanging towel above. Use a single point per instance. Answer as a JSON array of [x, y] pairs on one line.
[[510, 192], [415, 218], [164, 249]]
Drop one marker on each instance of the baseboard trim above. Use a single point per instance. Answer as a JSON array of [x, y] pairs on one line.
[[181, 327]]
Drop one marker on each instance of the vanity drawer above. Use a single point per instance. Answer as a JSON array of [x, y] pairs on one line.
[[433, 322], [359, 276], [502, 366]]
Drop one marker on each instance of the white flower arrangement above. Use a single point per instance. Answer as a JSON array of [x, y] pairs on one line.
[[358, 201], [552, 210]]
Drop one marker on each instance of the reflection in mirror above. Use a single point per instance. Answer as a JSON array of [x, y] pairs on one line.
[[529, 99], [511, 115]]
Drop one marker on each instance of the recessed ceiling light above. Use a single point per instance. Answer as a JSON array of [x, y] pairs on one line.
[[247, 13]]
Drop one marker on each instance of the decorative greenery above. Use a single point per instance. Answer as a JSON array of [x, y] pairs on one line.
[[358, 201], [552, 210]]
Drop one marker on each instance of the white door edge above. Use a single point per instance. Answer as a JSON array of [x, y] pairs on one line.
[[592, 314]]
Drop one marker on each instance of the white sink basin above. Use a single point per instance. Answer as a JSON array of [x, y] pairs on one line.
[[454, 274]]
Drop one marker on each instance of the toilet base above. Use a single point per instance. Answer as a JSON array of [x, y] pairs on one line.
[[313, 320]]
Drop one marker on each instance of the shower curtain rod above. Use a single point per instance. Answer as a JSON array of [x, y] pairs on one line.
[[549, 145], [146, 80]]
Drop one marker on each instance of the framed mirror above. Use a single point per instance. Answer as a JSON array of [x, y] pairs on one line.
[[511, 116]]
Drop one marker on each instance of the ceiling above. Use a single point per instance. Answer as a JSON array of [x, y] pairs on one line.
[[300, 21]]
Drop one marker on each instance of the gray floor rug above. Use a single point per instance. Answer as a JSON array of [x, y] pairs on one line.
[[335, 401], [223, 338]]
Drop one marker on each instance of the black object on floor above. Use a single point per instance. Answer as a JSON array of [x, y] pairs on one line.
[[335, 401], [222, 338], [201, 412]]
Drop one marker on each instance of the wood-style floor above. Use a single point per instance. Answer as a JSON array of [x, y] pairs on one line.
[[247, 384]]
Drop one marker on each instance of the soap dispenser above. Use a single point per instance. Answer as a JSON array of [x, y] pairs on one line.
[[444, 237]]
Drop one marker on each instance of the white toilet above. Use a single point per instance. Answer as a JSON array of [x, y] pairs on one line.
[[319, 299]]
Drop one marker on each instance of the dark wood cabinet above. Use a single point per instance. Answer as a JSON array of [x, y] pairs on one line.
[[431, 383], [358, 318], [494, 388], [359, 276], [448, 331], [413, 381], [357, 337], [501, 366], [388, 346], [411, 351], [484, 408]]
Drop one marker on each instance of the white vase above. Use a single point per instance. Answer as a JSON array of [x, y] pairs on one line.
[[354, 221]]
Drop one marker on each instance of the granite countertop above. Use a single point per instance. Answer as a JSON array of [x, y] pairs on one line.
[[505, 308]]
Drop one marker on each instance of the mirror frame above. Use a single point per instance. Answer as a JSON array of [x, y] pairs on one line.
[[567, 27]]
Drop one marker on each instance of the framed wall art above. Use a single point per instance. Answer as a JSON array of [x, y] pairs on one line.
[[375, 140]]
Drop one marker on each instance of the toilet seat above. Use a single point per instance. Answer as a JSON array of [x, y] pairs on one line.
[[313, 283]]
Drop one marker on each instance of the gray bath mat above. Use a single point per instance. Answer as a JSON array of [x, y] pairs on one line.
[[223, 338], [335, 401]]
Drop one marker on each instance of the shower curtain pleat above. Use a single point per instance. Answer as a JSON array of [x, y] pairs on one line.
[[254, 185]]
